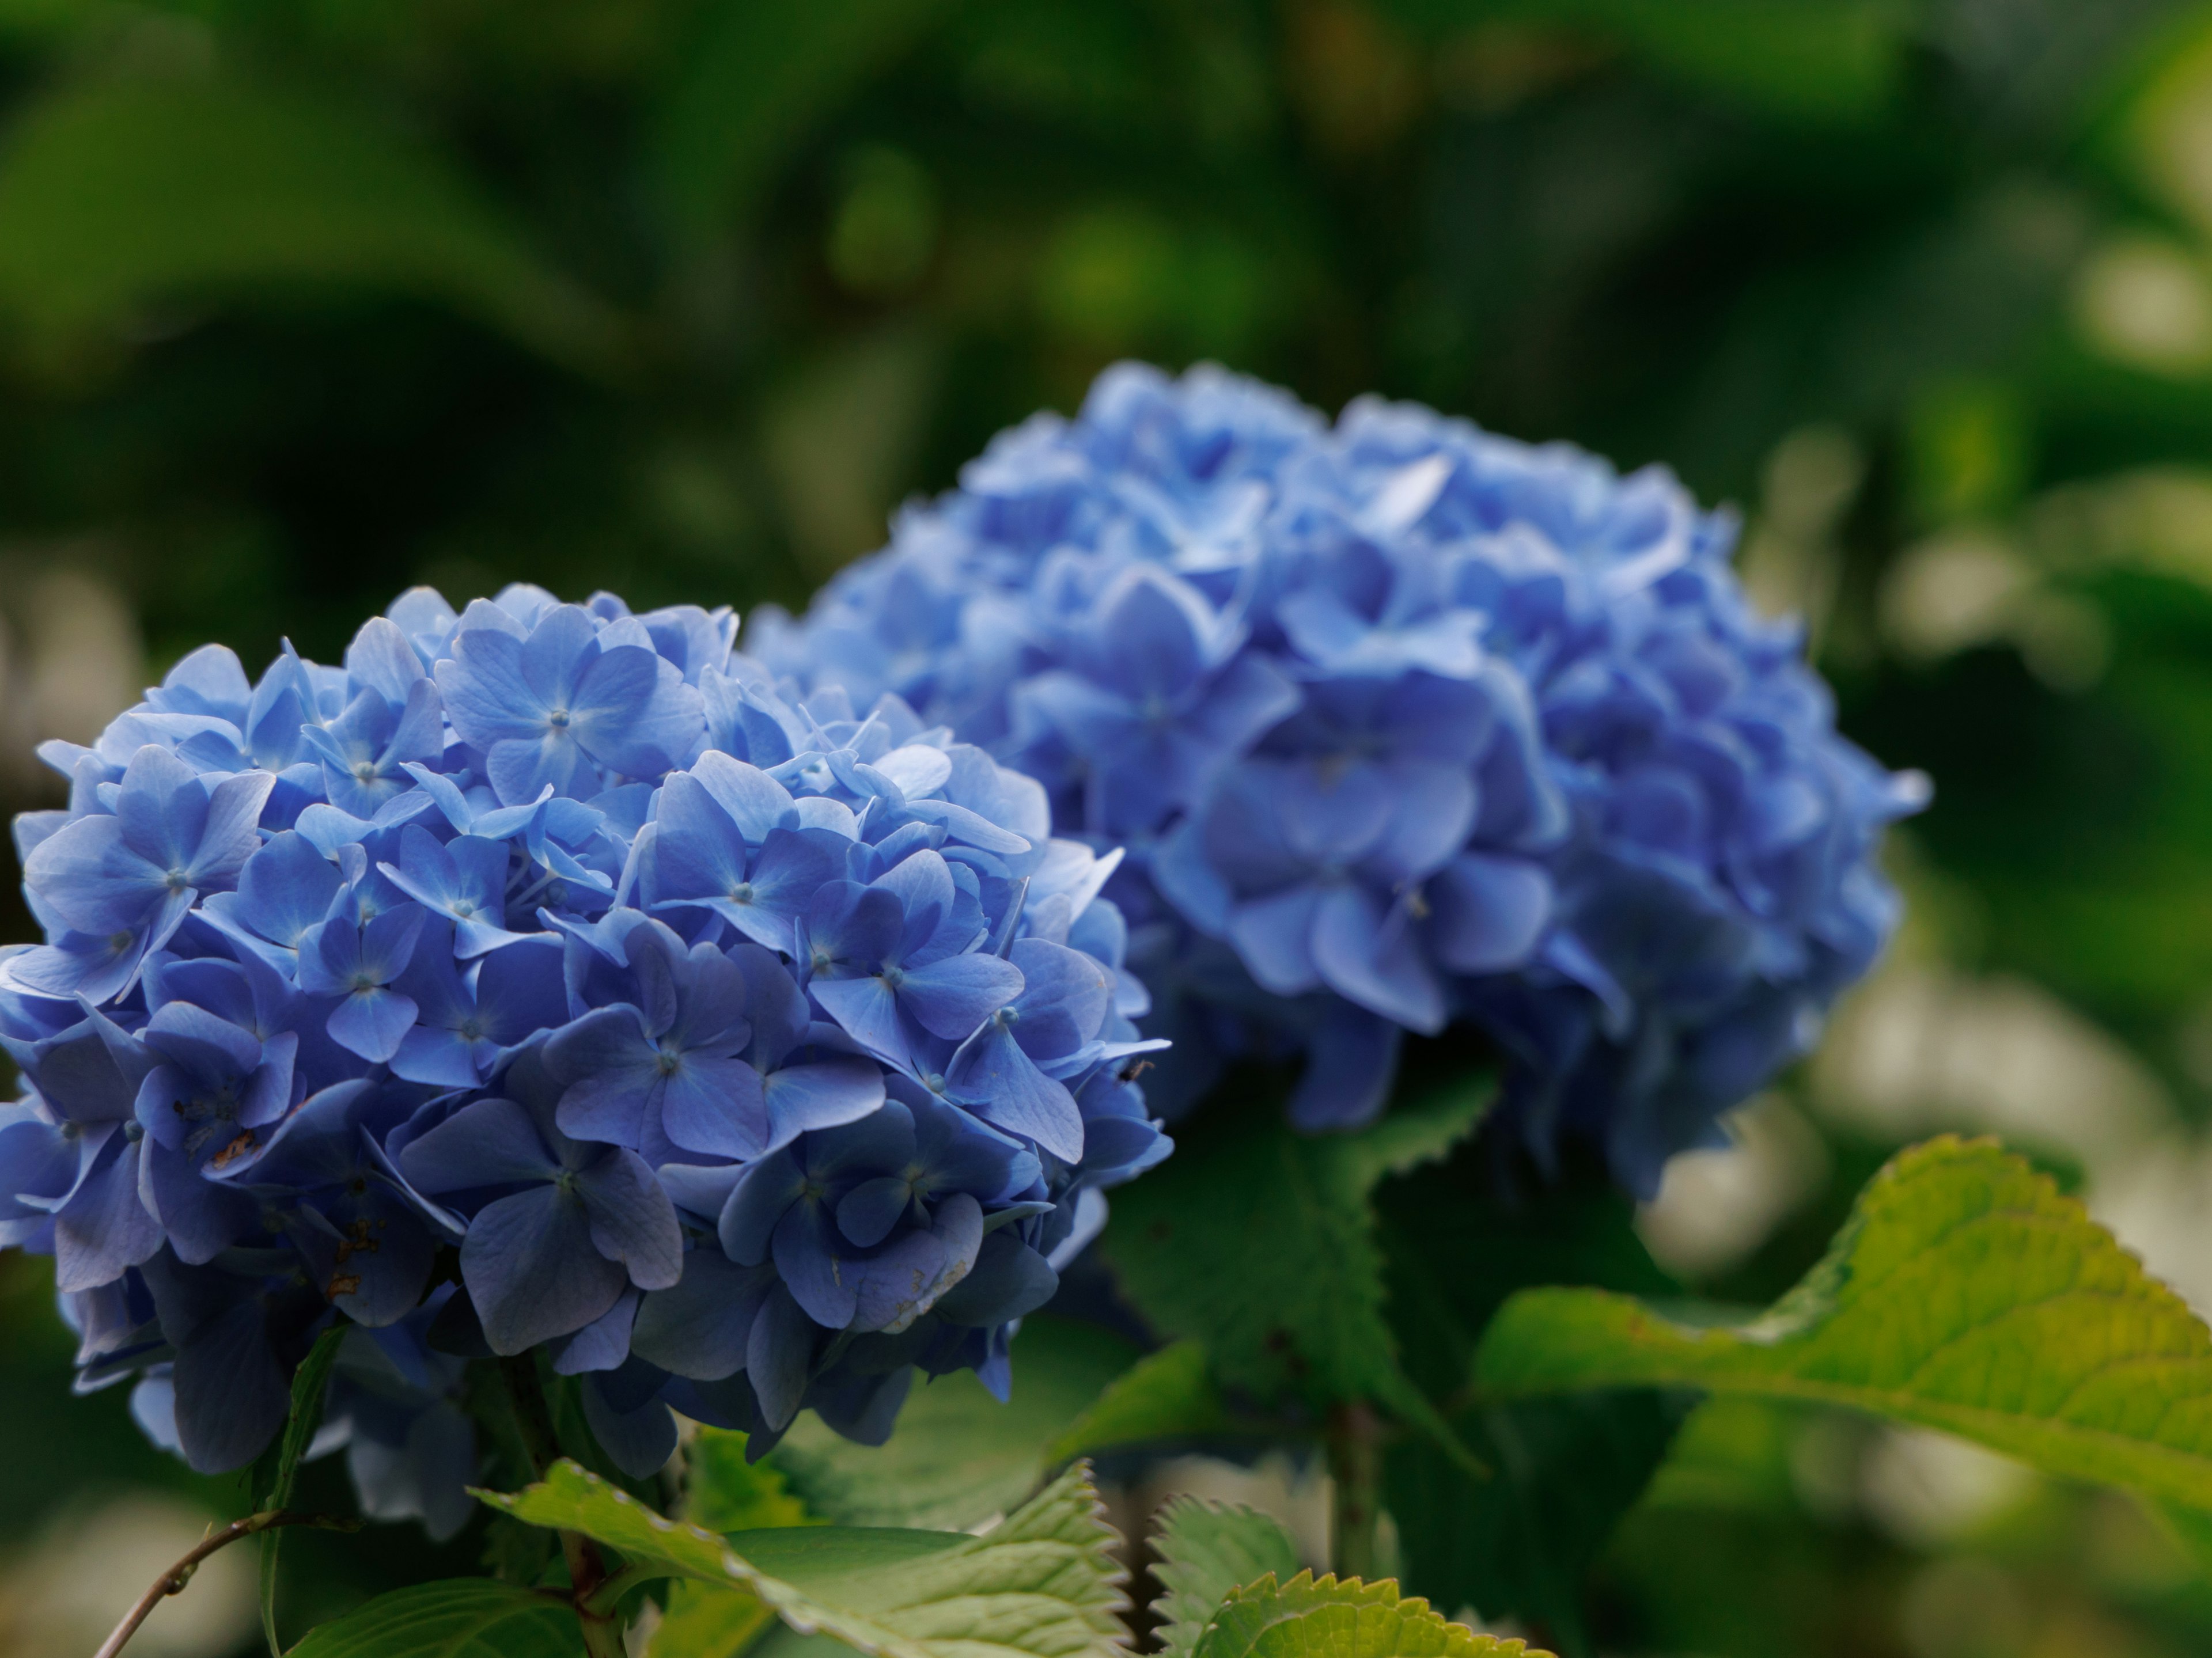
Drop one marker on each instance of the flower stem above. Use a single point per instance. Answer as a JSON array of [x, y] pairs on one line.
[[533, 1416], [172, 1580], [587, 1568], [1355, 1457]]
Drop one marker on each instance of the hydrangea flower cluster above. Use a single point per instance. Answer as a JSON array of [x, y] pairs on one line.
[[1401, 723], [741, 1053]]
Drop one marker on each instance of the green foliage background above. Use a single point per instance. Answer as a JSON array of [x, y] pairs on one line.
[[301, 302]]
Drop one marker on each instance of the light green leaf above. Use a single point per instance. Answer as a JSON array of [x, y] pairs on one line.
[[754, 78], [459, 1618], [784, 1641], [1303, 1618], [1964, 1294], [1259, 1243], [959, 1456], [1041, 1584], [1205, 1550], [709, 1620], [1167, 1395], [119, 195], [723, 1492], [310, 1382]]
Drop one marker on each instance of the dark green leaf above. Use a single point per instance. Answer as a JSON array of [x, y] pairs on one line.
[[1964, 1294], [1807, 60], [752, 81], [1259, 1243], [2190, 1528], [1521, 1544], [461, 1618], [1455, 1249], [1205, 1551], [118, 195]]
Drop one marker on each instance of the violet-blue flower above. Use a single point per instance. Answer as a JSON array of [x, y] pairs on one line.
[[506, 955], [1403, 725]]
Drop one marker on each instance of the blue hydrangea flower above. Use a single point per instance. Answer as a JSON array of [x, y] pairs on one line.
[[741, 1051], [395, 1406], [1402, 724]]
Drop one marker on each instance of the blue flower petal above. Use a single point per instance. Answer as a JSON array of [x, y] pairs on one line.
[[699, 1327], [532, 1269]]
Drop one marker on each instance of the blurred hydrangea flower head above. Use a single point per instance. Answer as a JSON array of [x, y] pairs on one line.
[[1402, 724], [741, 1052]]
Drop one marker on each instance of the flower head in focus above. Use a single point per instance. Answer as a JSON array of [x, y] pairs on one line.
[[1402, 724], [741, 1051]]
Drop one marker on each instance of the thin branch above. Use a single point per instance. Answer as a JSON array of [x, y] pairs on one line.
[[587, 1567], [172, 1580], [602, 1601], [1355, 1437], [533, 1417]]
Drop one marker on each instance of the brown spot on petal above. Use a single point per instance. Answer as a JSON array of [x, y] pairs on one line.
[[341, 1283], [358, 1240], [231, 1153]]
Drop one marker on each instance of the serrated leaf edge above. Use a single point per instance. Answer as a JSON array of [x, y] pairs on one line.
[[1169, 1515], [1355, 1591], [1818, 1296], [797, 1609]]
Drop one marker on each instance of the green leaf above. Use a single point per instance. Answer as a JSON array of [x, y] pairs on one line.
[[1813, 61], [959, 1456], [753, 79], [723, 1492], [459, 1618], [2190, 1530], [1205, 1550], [1042, 1583], [1455, 1250], [1734, 1454], [784, 1641], [1259, 1243], [1167, 1395], [119, 195], [709, 1620], [1520, 1545], [42, 22], [1303, 1618], [1964, 1294], [1819, 60], [310, 1382]]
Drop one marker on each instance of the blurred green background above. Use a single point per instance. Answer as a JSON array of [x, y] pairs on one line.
[[303, 303]]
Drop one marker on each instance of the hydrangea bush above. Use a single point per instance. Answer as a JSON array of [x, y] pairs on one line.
[[1402, 724], [545, 981], [550, 1024]]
